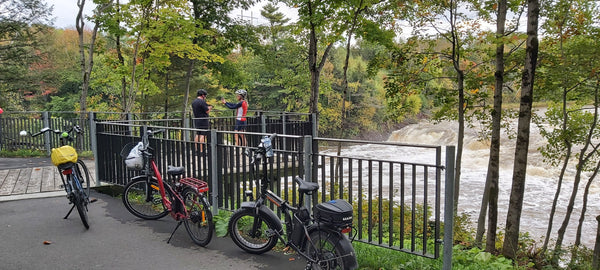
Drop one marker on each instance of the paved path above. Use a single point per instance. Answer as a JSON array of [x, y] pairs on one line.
[[32, 205], [116, 240]]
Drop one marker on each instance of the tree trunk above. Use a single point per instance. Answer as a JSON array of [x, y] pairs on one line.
[[568, 150], [461, 137], [590, 180], [460, 77], [584, 157], [315, 66], [490, 194], [513, 218], [188, 82], [86, 64], [345, 82], [119, 48]]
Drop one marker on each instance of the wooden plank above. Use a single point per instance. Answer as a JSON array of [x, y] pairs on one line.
[[35, 181], [22, 181], [9, 182], [57, 179], [3, 175], [48, 179]]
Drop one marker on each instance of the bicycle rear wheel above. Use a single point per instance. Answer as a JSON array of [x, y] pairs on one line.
[[199, 224], [142, 198], [326, 248], [84, 176], [79, 199]]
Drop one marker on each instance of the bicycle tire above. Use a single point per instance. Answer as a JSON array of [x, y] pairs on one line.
[[84, 176], [326, 248], [79, 199], [199, 224], [133, 199], [240, 227]]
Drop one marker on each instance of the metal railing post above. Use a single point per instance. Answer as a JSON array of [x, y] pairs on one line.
[[214, 176], [263, 123], [449, 209], [130, 126], [94, 142], [186, 125], [284, 129], [308, 165], [314, 125], [46, 121]]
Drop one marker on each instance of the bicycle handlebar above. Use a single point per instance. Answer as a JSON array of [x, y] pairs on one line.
[[149, 133], [63, 134]]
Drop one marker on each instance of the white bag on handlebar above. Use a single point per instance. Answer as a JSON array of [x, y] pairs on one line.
[[135, 159]]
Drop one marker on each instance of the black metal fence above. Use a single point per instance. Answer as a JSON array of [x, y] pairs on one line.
[[396, 189], [397, 198], [12, 123]]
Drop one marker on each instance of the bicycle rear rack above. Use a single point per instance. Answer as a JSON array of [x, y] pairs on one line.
[[199, 185]]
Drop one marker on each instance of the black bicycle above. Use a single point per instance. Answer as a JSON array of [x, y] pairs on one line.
[[73, 172], [321, 238]]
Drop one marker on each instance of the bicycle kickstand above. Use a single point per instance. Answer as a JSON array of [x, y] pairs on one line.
[[69, 212], [176, 227]]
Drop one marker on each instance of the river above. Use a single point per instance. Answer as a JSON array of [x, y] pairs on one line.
[[540, 185]]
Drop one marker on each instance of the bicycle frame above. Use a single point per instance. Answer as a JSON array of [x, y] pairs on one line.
[[176, 209], [297, 231], [177, 215]]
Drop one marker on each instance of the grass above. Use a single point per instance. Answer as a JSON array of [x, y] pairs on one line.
[[23, 153]]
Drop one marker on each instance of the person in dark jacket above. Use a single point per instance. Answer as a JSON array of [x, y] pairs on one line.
[[201, 110]]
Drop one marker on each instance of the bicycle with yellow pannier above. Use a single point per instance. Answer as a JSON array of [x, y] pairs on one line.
[[73, 172]]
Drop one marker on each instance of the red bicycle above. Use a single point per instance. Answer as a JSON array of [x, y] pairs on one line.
[[147, 196]]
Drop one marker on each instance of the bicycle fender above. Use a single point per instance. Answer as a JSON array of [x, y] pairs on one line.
[[266, 214]]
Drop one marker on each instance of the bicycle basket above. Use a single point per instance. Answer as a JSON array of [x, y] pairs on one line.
[[63, 154], [134, 160]]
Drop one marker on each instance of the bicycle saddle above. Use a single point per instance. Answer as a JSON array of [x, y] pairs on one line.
[[306, 187], [171, 170]]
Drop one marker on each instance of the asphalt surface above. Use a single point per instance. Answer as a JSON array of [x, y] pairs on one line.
[[34, 235]]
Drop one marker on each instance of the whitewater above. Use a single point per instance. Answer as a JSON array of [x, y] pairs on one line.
[[540, 185]]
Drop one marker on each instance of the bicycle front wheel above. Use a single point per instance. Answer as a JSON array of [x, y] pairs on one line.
[[199, 223], [253, 238], [79, 199], [142, 198], [326, 248]]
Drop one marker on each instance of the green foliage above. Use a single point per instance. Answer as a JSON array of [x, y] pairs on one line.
[[221, 222], [23, 153]]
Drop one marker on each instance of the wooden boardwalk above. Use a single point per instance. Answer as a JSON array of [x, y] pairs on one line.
[[35, 180]]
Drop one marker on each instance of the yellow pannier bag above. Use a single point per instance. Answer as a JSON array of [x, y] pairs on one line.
[[63, 155]]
